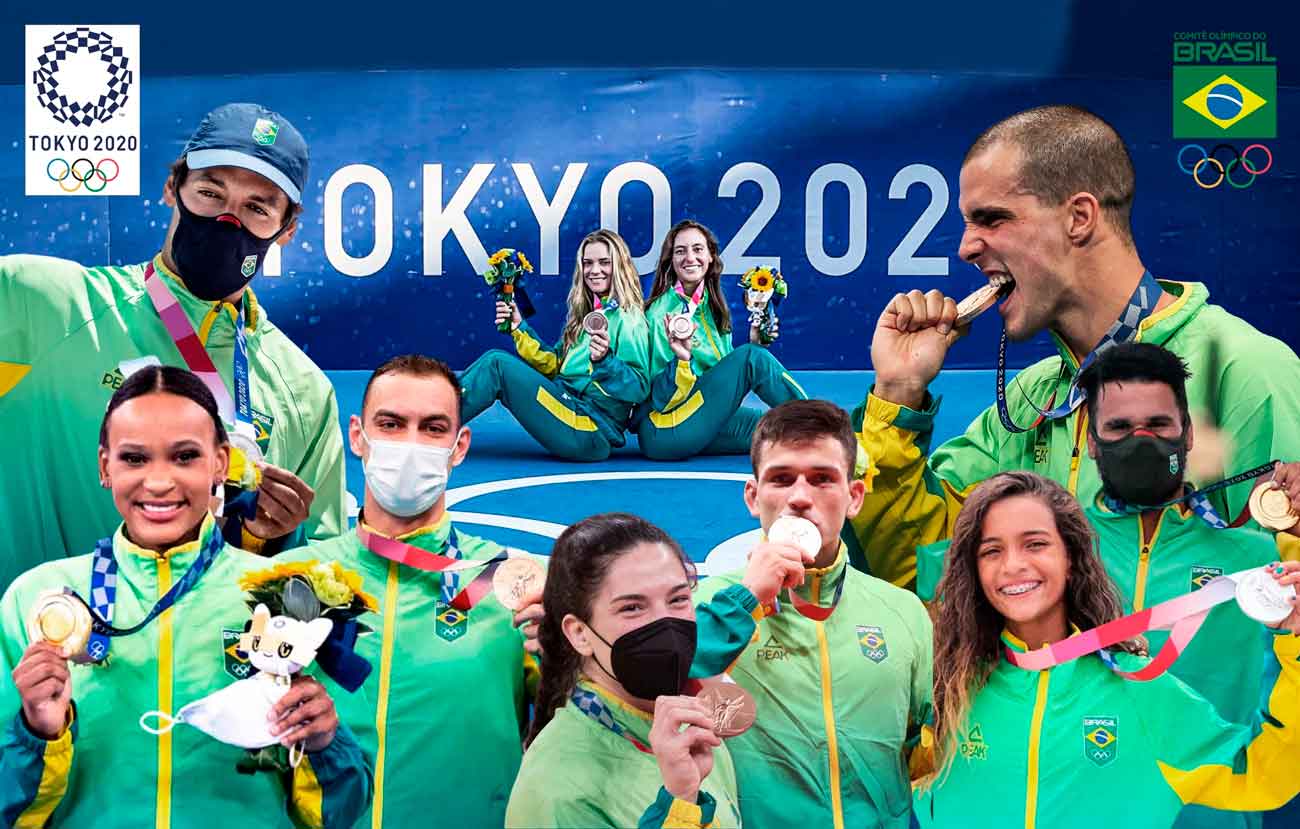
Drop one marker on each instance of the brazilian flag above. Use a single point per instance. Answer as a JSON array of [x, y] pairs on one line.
[[1225, 102]]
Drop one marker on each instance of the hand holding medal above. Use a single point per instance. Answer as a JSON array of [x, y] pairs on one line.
[[505, 276], [1275, 504], [44, 685]]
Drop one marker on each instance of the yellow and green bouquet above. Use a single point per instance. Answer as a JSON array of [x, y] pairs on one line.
[[505, 276], [764, 289]]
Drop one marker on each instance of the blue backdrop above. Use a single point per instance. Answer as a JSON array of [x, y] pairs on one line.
[[849, 178]]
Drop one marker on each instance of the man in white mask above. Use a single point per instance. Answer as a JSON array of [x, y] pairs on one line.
[[445, 702]]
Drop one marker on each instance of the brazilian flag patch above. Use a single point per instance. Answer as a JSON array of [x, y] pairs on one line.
[[872, 641], [1100, 739], [1202, 576], [237, 666], [451, 624]]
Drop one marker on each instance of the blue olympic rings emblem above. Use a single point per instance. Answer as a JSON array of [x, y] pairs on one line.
[[1239, 159], [81, 176]]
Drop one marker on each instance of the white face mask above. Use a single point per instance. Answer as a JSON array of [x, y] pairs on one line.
[[235, 715], [406, 478]]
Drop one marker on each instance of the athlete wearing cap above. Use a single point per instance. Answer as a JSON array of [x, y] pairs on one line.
[[235, 190]]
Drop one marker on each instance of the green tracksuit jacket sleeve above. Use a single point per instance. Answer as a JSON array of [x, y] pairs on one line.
[[1248, 381], [179, 779]]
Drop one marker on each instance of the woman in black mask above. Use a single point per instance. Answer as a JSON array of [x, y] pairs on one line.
[[622, 746]]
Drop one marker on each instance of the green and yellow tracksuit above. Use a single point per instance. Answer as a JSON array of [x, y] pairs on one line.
[[1076, 745], [64, 331], [580, 774], [445, 706], [105, 771], [1250, 381], [838, 702], [575, 408], [695, 408]]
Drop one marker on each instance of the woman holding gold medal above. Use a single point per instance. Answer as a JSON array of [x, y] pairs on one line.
[[697, 380], [1031, 651], [72, 752], [575, 398]]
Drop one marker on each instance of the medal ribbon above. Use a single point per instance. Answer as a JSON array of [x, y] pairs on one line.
[[237, 411], [1181, 616], [449, 563], [1199, 503], [103, 591], [590, 703], [694, 300], [1125, 329], [809, 610]]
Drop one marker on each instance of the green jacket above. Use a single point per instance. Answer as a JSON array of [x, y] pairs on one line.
[[607, 391], [1077, 745], [64, 330], [446, 703], [670, 379], [578, 774], [838, 702], [1250, 381], [106, 771]]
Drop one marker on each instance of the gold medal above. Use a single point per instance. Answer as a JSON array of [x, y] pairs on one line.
[[515, 580], [61, 620], [1271, 507]]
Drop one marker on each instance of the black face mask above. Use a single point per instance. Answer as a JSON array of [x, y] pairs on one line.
[[655, 659], [1142, 470], [217, 255]]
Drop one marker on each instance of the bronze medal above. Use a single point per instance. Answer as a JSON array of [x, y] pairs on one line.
[[1271, 507], [731, 706], [977, 303], [515, 580], [681, 326], [595, 322]]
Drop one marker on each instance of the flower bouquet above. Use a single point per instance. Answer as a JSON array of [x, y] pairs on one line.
[[505, 276], [764, 290]]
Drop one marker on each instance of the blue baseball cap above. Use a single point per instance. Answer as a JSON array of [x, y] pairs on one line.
[[254, 138]]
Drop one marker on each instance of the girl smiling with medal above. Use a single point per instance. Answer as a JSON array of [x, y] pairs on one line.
[[697, 380], [168, 579], [1023, 574], [575, 398]]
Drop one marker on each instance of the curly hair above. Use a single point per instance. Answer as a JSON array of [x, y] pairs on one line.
[[967, 628]]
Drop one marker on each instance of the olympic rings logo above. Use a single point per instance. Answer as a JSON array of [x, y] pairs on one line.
[[1239, 159], [88, 176]]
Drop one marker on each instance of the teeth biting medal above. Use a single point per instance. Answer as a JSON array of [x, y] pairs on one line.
[[982, 299]]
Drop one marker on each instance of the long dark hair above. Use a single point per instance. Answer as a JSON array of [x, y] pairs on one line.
[[169, 379], [581, 557], [967, 628], [665, 278]]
